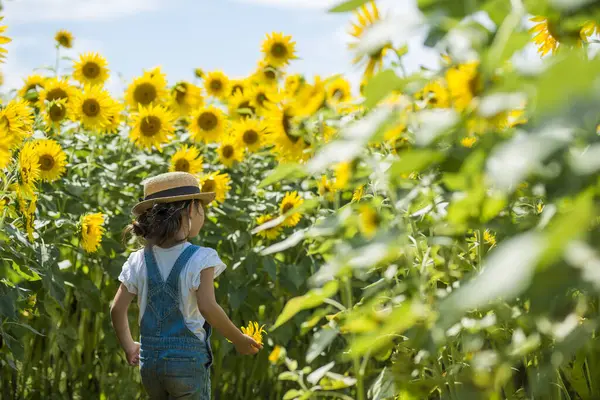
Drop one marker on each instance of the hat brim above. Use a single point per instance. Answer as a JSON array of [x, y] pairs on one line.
[[145, 205]]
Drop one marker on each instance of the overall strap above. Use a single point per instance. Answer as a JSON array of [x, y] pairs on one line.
[[154, 277], [181, 262]]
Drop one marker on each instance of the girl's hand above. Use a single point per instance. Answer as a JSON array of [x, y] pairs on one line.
[[247, 346], [132, 354]]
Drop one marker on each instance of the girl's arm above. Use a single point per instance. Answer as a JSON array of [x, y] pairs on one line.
[[216, 317], [118, 315]]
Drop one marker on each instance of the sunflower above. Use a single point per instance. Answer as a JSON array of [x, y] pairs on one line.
[[186, 159], [434, 94], [185, 97], [55, 113], [290, 201], [92, 106], [263, 98], [152, 126], [366, 19], [277, 354], [271, 233], [216, 84], [283, 134], [310, 98], [5, 153], [343, 172], [489, 237], [358, 193], [64, 38], [29, 213], [29, 168], [338, 91], [278, 49], [292, 84], [464, 83], [199, 73], [254, 331], [468, 142], [91, 69], [326, 188], [3, 40], [51, 159], [114, 118], [208, 124], [237, 85], [217, 183], [267, 74], [56, 89], [249, 133], [16, 122], [92, 231], [368, 221], [150, 88], [240, 106], [31, 88]]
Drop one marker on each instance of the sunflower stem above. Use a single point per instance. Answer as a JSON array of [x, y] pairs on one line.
[[360, 387]]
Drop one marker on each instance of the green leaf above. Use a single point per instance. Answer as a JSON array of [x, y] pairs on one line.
[[415, 161], [288, 376], [320, 341], [284, 171], [380, 86], [515, 42], [346, 6], [497, 10], [292, 394], [312, 299]]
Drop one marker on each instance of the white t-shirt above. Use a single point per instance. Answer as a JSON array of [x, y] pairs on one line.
[[135, 279]]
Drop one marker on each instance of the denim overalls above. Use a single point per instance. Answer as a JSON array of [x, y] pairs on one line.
[[174, 361]]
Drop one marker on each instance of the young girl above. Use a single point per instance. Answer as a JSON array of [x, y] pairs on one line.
[[173, 280]]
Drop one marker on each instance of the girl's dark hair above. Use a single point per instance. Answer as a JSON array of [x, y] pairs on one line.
[[160, 223]]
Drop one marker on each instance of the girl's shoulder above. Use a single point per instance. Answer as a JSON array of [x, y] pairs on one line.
[[136, 259], [206, 257]]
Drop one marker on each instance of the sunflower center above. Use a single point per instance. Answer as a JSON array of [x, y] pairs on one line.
[[250, 137], [287, 207], [64, 41], [46, 162], [270, 74], [91, 107], [338, 94], [236, 88], [208, 186], [150, 125], [144, 93], [91, 70], [228, 151], [216, 85], [56, 94], [279, 50], [207, 121], [57, 112], [182, 165], [261, 98]]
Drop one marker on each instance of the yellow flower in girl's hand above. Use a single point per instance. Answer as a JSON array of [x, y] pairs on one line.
[[254, 331]]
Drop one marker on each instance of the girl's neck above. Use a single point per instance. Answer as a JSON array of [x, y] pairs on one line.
[[171, 243]]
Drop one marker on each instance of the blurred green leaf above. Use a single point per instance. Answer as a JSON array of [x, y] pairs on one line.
[[380, 86], [312, 299], [283, 171], [320, 341], [349, 5]]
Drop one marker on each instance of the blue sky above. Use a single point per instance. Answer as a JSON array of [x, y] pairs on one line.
[[180, 35]]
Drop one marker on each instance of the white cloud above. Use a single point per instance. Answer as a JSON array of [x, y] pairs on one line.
[[21, 11]]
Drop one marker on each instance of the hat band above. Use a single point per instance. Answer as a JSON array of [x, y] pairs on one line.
[[177, 191]]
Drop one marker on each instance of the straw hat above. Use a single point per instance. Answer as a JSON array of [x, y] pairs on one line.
[[168, 188]]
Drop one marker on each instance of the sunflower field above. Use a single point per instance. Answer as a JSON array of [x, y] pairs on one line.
[[432, 235]]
